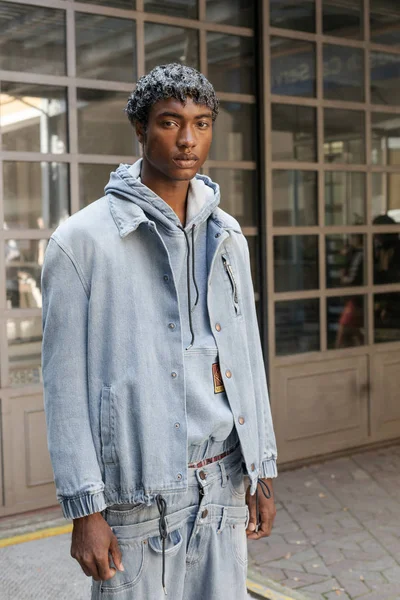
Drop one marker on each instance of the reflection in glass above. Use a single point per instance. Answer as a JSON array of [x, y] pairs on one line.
[[24, 260], [346, 322], [238, 195], [345, 264], [296, 262], [125, 4], [343, 19], [234, 135], [230, 12], [293, 133], [344, 136], [298, 15], [385, 78], [343, 73], [164, 44], [386, 318], [103, 127], [386, 248], [385, 138], [385, 22], [344, 198], [105, 47], [24, 351], [32, 39], [386, 197], [173, 8], [36, 195], [297, 326], [292, 67], [92, 180], [295, 198], [231, 61], [33, 118]]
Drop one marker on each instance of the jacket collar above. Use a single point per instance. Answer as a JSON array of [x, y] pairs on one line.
[[128, 216]]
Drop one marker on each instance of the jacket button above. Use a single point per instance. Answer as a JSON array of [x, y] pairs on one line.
[[217, 326], [217, 234], [204, 513], [228, 374], [253, 467], [203, 475], [241, 420], [173, 374], [171, 325], [179, 476], [166, 278], [177, 425]]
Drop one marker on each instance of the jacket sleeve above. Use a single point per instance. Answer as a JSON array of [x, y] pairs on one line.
[[266, 428], [76, 470]]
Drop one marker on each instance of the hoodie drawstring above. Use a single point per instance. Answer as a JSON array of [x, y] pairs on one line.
[[263, 485], [162, 509], [190, 310]]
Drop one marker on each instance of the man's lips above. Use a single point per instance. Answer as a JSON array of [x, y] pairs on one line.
[[185, 163]]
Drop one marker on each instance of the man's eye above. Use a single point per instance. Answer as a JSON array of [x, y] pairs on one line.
[[203, 125], [168, 123]]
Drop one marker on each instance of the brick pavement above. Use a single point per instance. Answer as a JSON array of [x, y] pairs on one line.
[[337, 531]]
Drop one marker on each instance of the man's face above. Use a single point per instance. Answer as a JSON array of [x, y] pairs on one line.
[[177, 138]]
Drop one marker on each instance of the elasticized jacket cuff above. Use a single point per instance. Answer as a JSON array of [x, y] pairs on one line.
[[269, 468], [81, 506]]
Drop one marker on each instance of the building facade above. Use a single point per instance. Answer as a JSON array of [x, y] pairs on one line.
[[307, 154]]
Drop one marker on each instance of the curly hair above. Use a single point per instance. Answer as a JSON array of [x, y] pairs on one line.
[[170, 81]]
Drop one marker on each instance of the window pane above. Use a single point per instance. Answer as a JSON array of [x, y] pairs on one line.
[[231, 12], [92, 180], [105, 47], [346, 321], [126, 4], [386, 318], [386, 248], [345, 264], [344, 136], [33, 118], [32, 39], [253, 242], [385, 22], [103, 127], [385, 78], [36, 195], [297, 327], [343, 73], [238, 194], [298, 15], [231, 63], [343, 19], [293, 133], [295, 198], [344, 198], [296, 262], [292, 67], [385, 198], [385, 139], [24, 351], [24, 260], [165, 44], [234, 132], [173, 8]]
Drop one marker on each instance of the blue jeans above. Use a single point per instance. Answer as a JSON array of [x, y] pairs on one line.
[[206, 546]]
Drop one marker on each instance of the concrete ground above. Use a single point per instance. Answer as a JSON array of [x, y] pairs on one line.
[[336, 535]]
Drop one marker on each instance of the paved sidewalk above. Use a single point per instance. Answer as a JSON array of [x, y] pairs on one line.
[[337, 531]]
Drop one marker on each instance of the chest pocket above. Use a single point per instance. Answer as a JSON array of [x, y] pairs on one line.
[[229, 273]]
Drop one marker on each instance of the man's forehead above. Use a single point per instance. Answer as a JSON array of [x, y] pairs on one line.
[[187, 108]]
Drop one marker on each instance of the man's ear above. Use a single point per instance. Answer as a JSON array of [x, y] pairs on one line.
[[140, 132]]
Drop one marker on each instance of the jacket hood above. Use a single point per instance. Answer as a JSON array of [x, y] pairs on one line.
[[203, 197]]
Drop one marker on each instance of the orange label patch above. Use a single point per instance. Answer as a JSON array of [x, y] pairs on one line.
[[217, 377]]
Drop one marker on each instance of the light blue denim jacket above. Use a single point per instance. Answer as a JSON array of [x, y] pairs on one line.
[[112, 349]]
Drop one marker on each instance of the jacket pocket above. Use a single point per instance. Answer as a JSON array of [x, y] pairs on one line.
[[235, 294], [106, 424]]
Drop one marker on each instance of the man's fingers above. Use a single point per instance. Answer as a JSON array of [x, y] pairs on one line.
[[89, 567], [105, 571], [251, 503], [116, 554]]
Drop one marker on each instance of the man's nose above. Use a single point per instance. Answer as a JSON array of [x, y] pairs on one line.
[[187, 138]]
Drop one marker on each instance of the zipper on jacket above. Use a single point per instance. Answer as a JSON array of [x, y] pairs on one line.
[[229, 270]]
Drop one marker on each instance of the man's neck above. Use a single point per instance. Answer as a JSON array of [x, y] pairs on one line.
[[173, 192]]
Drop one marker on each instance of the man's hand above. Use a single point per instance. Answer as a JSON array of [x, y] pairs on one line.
[[92, 540], [266, 509]]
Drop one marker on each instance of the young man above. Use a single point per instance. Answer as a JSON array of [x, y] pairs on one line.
[[159, 424]]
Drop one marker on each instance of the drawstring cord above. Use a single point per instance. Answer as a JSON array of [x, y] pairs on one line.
[[263, 485], [162, 509], [190, 310]]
